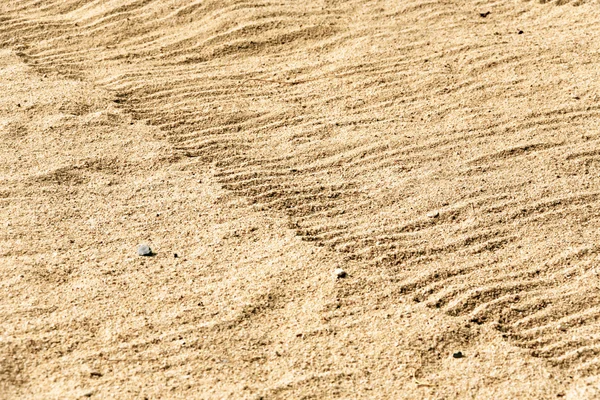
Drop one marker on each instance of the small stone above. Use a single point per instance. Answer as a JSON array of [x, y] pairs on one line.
[[458, 354], [340, 273], [433, 214], [144, 250], [175, 255]]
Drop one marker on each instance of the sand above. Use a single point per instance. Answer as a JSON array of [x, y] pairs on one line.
[[445, 155]]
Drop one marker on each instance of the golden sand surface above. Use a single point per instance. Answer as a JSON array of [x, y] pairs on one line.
[[444, 154]]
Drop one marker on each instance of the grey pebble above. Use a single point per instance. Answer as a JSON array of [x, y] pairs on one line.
[[144, 250]]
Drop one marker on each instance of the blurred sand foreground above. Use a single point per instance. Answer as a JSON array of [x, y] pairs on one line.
[[445, 154]]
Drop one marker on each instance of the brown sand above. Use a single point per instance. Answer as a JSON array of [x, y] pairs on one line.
[[448, 159]]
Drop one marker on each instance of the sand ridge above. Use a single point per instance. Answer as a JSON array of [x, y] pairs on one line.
[[442, 155]]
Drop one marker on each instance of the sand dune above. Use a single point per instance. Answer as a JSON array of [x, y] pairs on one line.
[[445, 154]]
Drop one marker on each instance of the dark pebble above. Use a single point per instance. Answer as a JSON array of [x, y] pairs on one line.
[[458, 354], [340, 273]]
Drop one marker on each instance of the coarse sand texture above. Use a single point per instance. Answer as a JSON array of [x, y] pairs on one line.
[[279, 199]]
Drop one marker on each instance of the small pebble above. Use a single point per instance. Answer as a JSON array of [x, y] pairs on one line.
[[175, 255], [458, 354], [340, 273], [434, 214], [144, 250]]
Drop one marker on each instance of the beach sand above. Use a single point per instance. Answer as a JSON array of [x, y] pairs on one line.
[[444, 154]]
